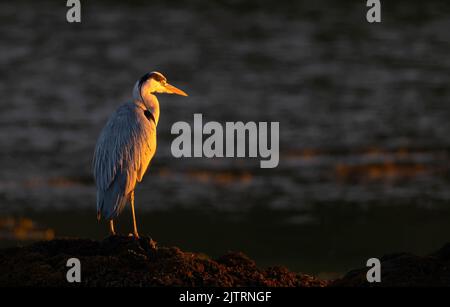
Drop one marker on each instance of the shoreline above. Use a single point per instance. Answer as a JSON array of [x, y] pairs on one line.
[[324, 243], [121, 261]]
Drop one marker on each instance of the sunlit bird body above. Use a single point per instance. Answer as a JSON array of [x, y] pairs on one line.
[[126, 146]]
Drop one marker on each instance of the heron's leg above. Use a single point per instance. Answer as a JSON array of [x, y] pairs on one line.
[[135, 231], [111, 227]]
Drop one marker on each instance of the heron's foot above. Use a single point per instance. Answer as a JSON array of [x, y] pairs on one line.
[[135, 235]]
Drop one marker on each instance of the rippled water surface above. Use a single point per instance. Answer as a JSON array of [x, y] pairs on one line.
[[363, 110]]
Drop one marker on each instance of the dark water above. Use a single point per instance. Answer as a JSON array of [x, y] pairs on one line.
[[363, 111]]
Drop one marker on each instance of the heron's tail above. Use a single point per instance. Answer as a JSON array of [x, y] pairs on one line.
[[111, 202]]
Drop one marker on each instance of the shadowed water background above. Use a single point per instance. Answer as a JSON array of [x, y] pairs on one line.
[[363, 111]]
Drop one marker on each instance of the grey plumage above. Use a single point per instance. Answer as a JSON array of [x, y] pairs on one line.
[[126, 146], [123, 152]]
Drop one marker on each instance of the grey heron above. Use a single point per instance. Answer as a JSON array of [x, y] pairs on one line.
[[126, 146]]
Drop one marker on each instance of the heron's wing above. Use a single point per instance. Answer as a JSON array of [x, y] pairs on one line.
[[123, 152]]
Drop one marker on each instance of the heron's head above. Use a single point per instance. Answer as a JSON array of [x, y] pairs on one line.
[[154, 83]]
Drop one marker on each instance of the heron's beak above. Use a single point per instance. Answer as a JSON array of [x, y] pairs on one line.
[[170, 89]]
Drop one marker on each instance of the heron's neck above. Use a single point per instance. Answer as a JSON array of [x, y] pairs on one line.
[[151, 103]]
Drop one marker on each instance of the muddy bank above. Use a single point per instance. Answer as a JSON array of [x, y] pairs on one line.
[[123, 261], [405, 270]]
